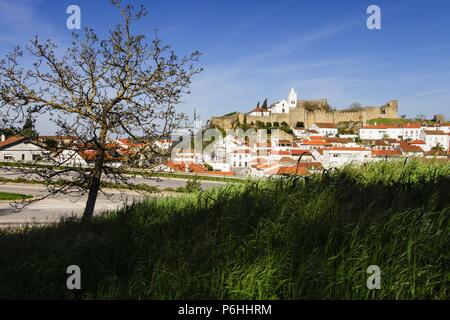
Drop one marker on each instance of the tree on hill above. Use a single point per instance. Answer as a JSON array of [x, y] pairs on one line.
[[259, 124], [28, 129], [7, 132], [312, 106], [421, 117], [354, 107], [100, 88]]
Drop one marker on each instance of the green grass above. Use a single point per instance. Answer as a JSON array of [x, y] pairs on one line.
[[397, 121], [13, 196], [294, 238]]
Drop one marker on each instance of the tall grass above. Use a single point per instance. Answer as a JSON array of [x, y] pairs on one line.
[[292, 238]]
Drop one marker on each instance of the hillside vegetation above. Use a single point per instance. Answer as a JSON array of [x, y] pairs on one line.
[[398, 121], [292, 238]]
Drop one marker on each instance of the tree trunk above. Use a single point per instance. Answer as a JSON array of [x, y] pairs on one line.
[[94, 186], [92, 199]]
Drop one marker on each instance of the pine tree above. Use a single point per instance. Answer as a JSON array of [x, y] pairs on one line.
[[28, 129], [264, 106]]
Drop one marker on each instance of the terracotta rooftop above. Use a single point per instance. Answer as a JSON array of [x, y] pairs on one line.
[[388, 153], [11, 140], [435, 133], [324, 125], [410, 148], [299, 171]]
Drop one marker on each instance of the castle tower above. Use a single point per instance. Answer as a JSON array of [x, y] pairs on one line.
[[292, 98], [393, 108]]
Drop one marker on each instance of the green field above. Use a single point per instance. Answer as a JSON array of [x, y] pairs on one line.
[[13, 196], [294, 238], [392, 121]]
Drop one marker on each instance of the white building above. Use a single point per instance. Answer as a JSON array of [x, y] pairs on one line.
[[374, 132], [325, 129], [69, 158], [339, 156], [241, 158], [283, 106], [259, 112], [434, 138], [379, 132], [411, 131], [18, 148], [299, 132]]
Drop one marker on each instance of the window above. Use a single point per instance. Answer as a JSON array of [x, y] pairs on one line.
[[8, 157], [23, 157]]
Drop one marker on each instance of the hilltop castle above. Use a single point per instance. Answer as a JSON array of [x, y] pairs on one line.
[[294, 110]]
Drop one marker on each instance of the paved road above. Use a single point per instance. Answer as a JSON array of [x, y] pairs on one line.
[[58, 206], [159, 182], [66, 205]]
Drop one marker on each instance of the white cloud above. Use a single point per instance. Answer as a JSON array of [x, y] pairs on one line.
[[430, 92]]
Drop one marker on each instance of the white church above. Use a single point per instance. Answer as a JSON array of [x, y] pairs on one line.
[[282, 106]]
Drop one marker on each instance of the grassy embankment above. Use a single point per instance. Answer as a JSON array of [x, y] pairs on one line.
[[13, 196], [283, 239], [398, 121]]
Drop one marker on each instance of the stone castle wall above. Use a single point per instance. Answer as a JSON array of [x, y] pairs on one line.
[[300, 114]]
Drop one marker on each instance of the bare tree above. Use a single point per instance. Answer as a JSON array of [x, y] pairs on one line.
[[97, 90]]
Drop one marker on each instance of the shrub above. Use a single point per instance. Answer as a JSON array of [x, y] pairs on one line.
[[193, 185]]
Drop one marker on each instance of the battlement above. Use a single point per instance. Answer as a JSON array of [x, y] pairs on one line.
[[309, 112]]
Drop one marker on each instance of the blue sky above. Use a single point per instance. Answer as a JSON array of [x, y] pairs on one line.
[[255, 49]]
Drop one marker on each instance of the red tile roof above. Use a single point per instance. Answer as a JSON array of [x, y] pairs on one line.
[[315, 143], [287, 159], [412, 125], [243, 151], [11, 140], [195, 168], [296, 152], [338, 140], [388, 153], [439, 153], [435, 133], [325, 125], [299, 171], [259, 110], [311, 165], [280, 152], [346, 149], [410, 148]]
